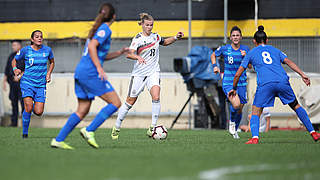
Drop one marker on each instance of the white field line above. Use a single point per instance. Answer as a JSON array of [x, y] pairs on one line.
[[221, 172]]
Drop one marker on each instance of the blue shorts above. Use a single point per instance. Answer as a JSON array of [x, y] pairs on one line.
[[266, 94], [89, 88], [241, 91], [38, 94]]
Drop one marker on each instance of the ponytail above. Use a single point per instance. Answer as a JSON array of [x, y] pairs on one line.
[[106, 13], [260, 36]]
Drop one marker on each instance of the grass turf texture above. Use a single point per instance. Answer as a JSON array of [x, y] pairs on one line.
[[184, 155]]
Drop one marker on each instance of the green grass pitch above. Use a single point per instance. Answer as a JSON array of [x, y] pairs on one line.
[[185, 155]]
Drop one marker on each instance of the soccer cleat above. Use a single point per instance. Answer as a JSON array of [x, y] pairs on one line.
[[89, 137], [315, 136], [115, 133], [232, 128], [61, 145], [150, 131], [24, 136], [253, 141], [236, 135]]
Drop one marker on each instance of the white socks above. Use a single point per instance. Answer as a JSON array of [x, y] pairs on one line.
[[125, 107], [155, 112], [123, 111]]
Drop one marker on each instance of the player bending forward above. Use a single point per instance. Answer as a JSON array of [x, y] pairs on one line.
[[272, 81]]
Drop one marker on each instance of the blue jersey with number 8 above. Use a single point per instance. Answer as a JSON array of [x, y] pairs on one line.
[[266, 61]]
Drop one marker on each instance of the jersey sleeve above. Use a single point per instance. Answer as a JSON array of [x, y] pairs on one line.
[[50, 54], [135, 43], [246, 61], [102, 34], [247, 49], [161, 39], [282, 56], [20, 54], [219, 50]]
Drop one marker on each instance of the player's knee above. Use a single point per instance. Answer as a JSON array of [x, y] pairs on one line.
[[117, 104], [28, 108], [131, 100], [294, 104], [38, 112]]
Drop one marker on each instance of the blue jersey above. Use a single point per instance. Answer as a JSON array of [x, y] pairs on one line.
[[35, 65], [266, 61], [232, 61], [86, 68]]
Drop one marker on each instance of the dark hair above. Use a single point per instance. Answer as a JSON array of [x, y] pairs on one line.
[[32, 34], [235, 28], [17, 41], [260, 36], [105, 14]]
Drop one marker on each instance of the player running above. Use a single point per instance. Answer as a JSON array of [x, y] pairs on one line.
[[91, 80], [144, 49], [35, 77], [233, 54], [272, 81]]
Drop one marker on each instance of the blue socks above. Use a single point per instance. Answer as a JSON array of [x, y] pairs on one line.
[[25, 122], [238, 120], [303, 116], [235, 116], [72, 122], [254, 125], [104, 114]]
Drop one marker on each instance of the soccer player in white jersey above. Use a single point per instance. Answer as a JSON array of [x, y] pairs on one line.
[[264, 121], [144, 49]]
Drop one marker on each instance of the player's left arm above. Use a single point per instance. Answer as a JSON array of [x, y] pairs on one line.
[[50, 69], [116, 54], [173, 39], [296, 68]]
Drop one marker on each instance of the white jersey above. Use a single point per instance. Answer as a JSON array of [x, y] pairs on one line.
[[148, 48], [263, 119]]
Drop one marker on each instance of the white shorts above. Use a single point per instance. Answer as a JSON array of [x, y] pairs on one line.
[[138, 83]]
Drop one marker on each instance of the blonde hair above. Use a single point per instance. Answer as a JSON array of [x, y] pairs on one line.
[[144, 16]]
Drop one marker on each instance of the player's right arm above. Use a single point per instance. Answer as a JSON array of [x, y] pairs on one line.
[[214, 55], [132, 55], [133, 49], [214, 63], [19, 56]]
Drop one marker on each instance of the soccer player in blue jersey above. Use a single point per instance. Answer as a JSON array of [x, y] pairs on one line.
[[91, 80], [35, 77], [272, 81], [233, 54]]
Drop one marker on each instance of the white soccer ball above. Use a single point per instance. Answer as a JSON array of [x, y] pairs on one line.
[[160, 132]]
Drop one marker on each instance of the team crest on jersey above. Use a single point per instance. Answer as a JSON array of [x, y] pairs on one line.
[[101, 33], [44, 54]]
